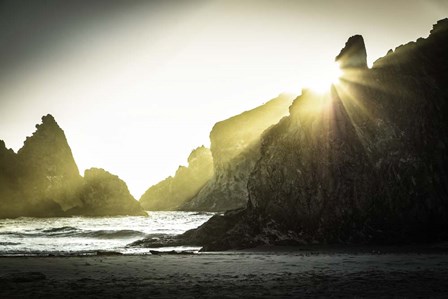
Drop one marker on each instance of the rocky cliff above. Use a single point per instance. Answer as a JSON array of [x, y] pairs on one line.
[[172, 192], [366, 163], [42, 179], [235, 144]]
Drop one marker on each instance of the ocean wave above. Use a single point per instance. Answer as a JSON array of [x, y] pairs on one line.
[[63, 229], [87, 235], [37, 233], [159, 235], [8, 243], [68, 231], [204, 213], [7, 233], [112, 234]]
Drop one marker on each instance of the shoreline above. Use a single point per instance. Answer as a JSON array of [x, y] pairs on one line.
[[436, 248]]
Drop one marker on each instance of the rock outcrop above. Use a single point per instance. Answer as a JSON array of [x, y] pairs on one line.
[[367, 163], [49, 171], [172, 192], [354, 54], [235, 144], [105, 194], [42, 179]]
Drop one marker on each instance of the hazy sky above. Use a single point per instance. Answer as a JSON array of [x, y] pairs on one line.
[[136, 85]]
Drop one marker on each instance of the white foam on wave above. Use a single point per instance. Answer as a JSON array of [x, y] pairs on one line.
[[86, 235]]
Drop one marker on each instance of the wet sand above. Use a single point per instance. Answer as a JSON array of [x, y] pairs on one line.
[[247, 274]]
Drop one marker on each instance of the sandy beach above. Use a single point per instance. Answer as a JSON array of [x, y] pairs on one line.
[[254, 274]]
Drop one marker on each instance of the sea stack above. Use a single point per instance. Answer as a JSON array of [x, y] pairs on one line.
[[49, 171], [105, 194], [354, 54]]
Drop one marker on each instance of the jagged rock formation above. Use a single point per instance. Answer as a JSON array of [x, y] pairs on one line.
[[235, 149], [105, 194], [172, 192], [39, 180], [354, 54], [42, 179], [367, 163], [49, 169]]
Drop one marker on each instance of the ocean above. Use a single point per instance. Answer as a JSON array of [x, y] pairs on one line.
[[88, 235]]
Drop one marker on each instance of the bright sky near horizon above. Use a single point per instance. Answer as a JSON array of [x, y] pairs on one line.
[[136, 85]]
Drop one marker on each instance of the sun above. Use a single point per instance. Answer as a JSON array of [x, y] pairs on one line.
[[323, 76]]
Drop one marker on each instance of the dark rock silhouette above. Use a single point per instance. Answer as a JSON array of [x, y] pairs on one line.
[[49, 169], [105, 194], [235, 144], [367, 163], [9, 185], [42, 179], [354, 54], [172, 192]]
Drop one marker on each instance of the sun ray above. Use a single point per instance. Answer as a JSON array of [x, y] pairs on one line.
[[323, 77]]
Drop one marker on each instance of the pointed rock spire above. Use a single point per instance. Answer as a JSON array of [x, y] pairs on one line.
[[354, 54]]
